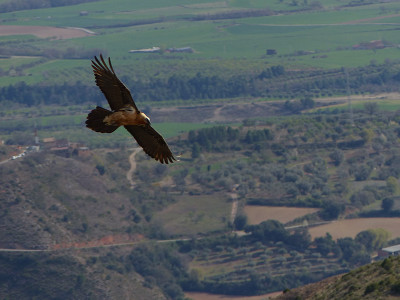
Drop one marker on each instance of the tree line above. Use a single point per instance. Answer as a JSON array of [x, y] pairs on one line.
[[273, 82], [173, 88]]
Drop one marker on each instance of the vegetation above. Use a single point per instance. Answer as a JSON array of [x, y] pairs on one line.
[[377, 280], [298, 150]]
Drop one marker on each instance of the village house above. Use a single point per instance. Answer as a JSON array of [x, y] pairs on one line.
[[389, 251]]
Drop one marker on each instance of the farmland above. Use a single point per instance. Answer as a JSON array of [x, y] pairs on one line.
[[350, 228], [256, 214], [259, 116], [324, 37]]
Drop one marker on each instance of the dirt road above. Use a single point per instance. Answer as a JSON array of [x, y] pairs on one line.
[[132, 161]]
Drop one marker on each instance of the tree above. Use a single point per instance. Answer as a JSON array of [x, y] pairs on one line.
[[331, 210], [387, 204], [195, 151], [392, 185], [353, 251], [307, 102], [324, 245], [271, 230], [300, 239], [362, 172], [372, 239], [337, 157], [240, 222], [363, 197], [371, 107]]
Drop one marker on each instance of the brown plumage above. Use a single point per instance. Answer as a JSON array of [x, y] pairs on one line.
[[124, 113]]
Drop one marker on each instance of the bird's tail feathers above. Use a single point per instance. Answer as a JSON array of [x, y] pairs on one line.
[[95, 120]]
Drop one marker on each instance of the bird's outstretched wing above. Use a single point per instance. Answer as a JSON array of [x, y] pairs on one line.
[[152, 143], [117, 94]]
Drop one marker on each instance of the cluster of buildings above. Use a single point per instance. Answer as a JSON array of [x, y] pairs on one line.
[[158, 50], [64, 147]]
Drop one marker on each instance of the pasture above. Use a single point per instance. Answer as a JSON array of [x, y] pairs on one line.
[[322, 38], [351, 227], [192, 215], [359, 104]]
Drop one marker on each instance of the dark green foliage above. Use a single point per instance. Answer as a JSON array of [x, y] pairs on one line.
[[363, 197], [240, 222], [325, 245], [202, 86], [270, 230], [211, 139], [331, 210], [353, 252], [297, 106], [371, 287], [161, 265], [101, 169], [44, 276], [371, 107], [387, 204], [362, 172], [337, 157], [387, 264], [395, 289]]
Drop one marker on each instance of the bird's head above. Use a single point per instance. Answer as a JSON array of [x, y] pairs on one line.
[[145, 118]]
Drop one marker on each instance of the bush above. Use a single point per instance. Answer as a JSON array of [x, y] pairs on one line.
[[396, 288], [370, 288], [387, 204], [240, 222]]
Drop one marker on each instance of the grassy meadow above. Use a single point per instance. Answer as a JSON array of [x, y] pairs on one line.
[[196, 215], [324, 36]]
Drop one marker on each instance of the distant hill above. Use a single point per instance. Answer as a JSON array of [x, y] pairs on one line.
[[379, 280]]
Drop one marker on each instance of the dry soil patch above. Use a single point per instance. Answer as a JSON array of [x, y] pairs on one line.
[[205, 296], [257, 213], [350, 228]]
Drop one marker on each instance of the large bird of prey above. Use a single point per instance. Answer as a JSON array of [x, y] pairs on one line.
[[124, 113]]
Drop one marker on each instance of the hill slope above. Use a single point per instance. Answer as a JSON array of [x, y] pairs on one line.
[[379, 280], [53, 205]]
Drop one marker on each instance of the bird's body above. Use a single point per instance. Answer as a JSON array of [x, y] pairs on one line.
[[126, 117], [124, 113]]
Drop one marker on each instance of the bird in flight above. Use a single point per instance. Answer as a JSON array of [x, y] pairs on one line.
[[124, 113]]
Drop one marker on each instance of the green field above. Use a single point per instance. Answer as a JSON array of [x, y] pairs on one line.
[[196, 214], [324, 35], [383, 105]]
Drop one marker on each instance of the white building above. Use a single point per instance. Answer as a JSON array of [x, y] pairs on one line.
[[389, 251]]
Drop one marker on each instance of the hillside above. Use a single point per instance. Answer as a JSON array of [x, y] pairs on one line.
[[69, 201], [380, 280], [51, 205], [52, 200], [285, 119]]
